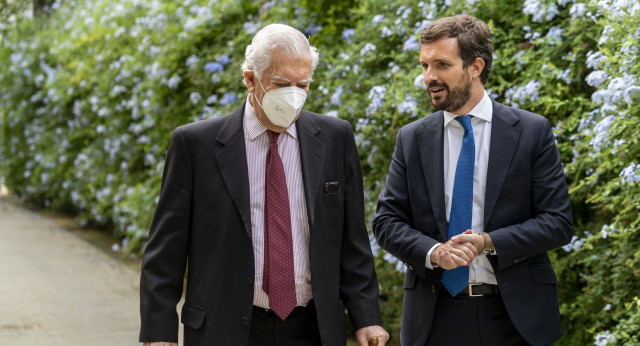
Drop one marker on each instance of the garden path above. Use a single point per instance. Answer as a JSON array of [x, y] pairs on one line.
[[58, 289]]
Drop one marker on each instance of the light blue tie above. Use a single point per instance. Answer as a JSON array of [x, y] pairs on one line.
[[461, 204]]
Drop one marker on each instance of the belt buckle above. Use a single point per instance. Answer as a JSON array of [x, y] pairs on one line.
[[471, 291]]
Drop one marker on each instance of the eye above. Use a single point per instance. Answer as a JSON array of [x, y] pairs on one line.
[[303, 86], [443, 64]]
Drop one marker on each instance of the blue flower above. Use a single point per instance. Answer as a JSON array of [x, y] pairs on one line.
[[596, 78], [224, 60], [212, 67], [250, 27], [174, 81], [195, 97], [192, 61], [227, 98], [411, 43], [335, 98], [347, 33], [408, 106], [212, 99], [418, 82], [312, 29], [367, 48], [379, 18], [631, 174], [376, 95]]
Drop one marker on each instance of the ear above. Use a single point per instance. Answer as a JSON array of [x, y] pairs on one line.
[[476, 67], [248, 79]]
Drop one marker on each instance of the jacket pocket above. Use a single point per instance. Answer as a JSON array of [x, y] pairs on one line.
[[542, 274], [192, 316], [409, 280]]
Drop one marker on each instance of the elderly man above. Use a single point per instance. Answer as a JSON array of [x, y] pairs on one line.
[[265, 208], [475, 198]]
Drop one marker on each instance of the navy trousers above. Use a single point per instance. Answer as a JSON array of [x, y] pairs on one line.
[[472, 321]]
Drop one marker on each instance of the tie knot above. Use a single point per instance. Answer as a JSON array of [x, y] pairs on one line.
[[273, 137], [465, 121]]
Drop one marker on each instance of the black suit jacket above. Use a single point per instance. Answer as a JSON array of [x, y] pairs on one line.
[[527, 212], [203, 218]]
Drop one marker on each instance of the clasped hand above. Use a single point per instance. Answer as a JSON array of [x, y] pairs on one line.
[[459, 251]]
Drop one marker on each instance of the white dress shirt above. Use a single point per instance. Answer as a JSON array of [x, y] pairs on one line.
[[480, 270], [256, 141]]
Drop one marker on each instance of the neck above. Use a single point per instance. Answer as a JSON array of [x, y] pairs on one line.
[[477, 93]]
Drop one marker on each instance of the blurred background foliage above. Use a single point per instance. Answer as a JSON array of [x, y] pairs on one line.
[[92, 90]]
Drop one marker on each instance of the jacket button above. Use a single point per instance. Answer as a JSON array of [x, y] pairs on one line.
[[433, 289], [249, 280], [245, 321]]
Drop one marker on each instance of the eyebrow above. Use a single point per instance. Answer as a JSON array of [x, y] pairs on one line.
[[422, 62], [308, 80]]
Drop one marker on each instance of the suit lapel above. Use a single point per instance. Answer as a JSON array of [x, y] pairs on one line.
[[504, 140], [312, 153], [430, 147], [232, 161]]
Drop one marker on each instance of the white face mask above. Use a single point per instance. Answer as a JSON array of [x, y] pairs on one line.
[[282, 105]]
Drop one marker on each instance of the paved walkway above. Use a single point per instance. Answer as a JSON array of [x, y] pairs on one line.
[[57, 289]]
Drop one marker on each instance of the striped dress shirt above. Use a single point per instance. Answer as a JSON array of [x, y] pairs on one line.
[[257, 144]]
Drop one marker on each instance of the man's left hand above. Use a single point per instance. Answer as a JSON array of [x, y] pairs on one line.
[[363, 335], [468, 236]]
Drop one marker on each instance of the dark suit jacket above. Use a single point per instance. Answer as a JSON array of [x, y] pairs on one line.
[[527, 212], [203, 218]]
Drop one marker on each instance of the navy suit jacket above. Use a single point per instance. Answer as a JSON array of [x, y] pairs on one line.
[[527, 212], [203, 219]]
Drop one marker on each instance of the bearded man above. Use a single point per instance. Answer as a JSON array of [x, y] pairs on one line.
[[474, 199]]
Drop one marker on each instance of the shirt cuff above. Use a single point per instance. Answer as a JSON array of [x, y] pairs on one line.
[[427, 263]]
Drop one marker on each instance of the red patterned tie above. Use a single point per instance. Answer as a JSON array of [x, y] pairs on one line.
[[278, 281]]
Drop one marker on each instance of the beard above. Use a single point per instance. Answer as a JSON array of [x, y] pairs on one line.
[[455, 98]]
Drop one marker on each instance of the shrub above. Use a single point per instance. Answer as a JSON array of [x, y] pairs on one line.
[[92, 93]]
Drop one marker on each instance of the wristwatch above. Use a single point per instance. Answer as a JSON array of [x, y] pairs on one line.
[[488, 244]]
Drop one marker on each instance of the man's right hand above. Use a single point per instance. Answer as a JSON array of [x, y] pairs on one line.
[[452, 255], [160, 344]]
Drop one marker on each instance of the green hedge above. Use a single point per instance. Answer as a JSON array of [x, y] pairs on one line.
[[91, 96]]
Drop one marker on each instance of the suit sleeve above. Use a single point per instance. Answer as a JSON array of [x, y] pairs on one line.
[[358, 282], [165, 256], [392, 225], [551, 224]]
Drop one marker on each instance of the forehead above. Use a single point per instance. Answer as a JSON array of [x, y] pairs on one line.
[[293, 68], [445, 48]]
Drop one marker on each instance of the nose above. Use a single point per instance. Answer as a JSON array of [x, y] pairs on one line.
[[429, 75]]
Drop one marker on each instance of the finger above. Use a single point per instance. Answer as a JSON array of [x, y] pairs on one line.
[[470, 252], [468, 248], [458, 261], [446, 260], [471, 248], [462, 252], [461, 238]]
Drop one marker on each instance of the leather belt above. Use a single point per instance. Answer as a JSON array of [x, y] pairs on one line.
[[270, 312], [479, 290]]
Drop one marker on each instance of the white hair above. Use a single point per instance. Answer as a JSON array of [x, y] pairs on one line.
[[277, 36]]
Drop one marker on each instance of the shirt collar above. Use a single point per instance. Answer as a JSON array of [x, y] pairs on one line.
[[483, 110], [254, 128]]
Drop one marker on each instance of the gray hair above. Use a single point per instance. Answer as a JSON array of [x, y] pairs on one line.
[[277, 36]]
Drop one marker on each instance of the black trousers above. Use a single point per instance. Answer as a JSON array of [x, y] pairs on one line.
[[472, 321], [300, 328]]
